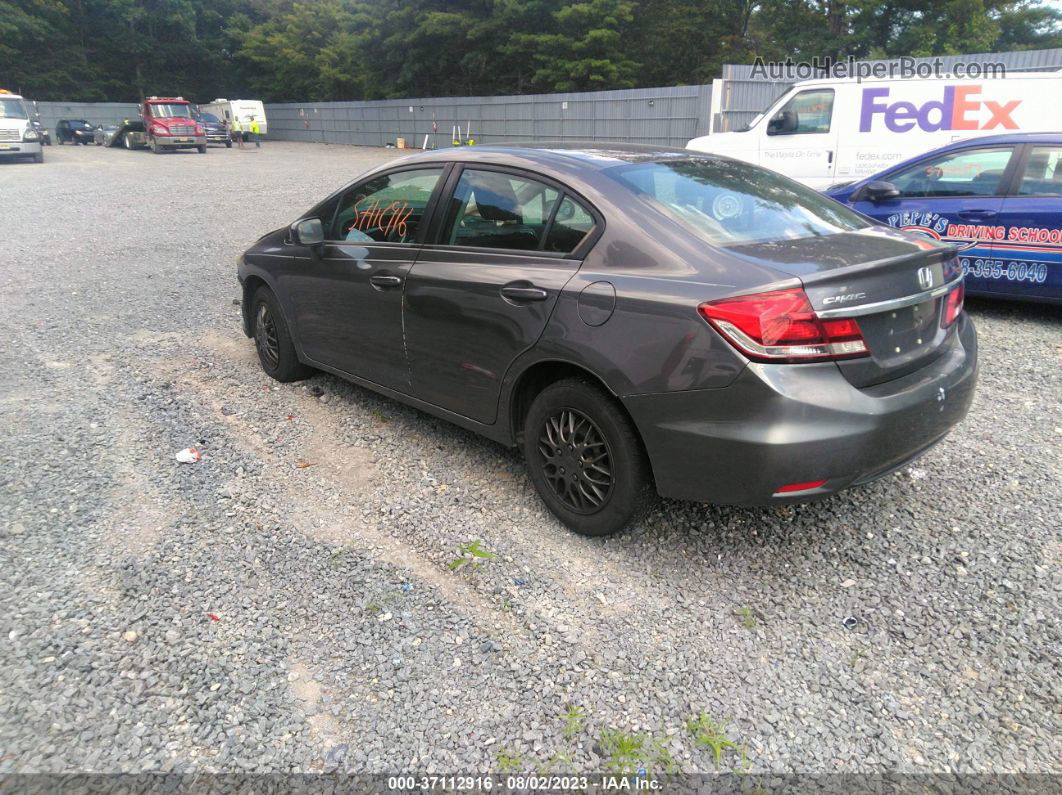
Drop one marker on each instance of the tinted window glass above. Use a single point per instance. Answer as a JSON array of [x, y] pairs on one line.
[[570, 226], [973, 172], [1043, 172], [387, 208], [807, 112], [490, 209], [728, 202]]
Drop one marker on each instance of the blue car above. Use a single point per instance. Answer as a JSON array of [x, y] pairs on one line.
[[1001, 195]]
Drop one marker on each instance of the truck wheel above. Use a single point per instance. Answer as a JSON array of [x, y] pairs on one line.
[[39, 157], [156, 147], [202, 149], [128, 140], [228, 144]]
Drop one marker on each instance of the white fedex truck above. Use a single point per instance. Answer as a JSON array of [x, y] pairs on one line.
[[242, 109], [823, 132]]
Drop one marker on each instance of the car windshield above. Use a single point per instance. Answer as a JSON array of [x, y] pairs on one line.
[[12, 109], [209, 118], [727, 202], [163, 110]]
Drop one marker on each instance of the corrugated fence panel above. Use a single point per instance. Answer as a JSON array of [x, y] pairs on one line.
[[667, 116]]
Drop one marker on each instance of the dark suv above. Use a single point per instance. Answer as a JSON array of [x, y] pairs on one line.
[[76, 131]]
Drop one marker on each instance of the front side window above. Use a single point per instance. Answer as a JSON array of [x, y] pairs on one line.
[[1043, 172], [727, 202], [807, 112], [12, 109], [973, 172], [385, 209], [490, 209]]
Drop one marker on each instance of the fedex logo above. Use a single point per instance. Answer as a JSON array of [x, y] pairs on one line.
[[960, 109]]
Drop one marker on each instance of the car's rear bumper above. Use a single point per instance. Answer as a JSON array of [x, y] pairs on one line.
[[776, 425]]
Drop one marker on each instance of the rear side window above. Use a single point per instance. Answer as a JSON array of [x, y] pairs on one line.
[[807, 112], [727, 202], [1043, 172], [385, 209], [571, 224], [971, 172], [491, 209]]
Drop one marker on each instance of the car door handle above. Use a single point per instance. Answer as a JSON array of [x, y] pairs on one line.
[[975, 215], [514, 293], [384, 281]]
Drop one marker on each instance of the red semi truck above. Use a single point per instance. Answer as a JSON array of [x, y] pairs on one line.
[[165, 124]]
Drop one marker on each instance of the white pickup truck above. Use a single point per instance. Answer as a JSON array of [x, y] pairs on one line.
[[18, 136]]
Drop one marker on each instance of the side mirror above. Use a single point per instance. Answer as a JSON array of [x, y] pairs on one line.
[[879, 191], [308, 232]]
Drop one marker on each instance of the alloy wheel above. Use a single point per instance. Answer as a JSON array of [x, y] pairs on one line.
[[265, 337], [577, 462]]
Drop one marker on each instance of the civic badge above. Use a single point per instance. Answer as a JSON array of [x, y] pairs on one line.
[[925, 277]]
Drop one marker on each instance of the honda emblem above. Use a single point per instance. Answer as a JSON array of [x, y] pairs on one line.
[[925, 277]]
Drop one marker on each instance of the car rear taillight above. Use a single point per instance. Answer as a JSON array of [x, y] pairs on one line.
[[953, 307], [781, 326], [794, 487]]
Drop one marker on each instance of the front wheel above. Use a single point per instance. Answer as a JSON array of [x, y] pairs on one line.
[[39, 157], [156, 147], [228, 144], [202, 149], [276, 350], [128, 140], [585, 458]]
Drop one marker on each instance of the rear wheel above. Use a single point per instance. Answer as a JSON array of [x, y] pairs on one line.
[[276, 351], [585, 458]]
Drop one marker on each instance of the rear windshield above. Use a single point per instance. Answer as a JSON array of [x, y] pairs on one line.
[[727, 202]]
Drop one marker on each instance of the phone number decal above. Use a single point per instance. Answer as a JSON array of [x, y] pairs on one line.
[[1035, 272]]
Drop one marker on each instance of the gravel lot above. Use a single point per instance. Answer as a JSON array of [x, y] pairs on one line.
[[250, 612]]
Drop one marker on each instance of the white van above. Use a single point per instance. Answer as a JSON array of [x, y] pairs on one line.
[[823, 132], [18, 136], [242, 109]]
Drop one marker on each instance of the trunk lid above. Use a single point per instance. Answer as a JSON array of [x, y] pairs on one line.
[[895, 285]]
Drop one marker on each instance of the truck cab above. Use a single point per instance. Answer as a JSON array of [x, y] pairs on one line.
[[169, 125], [19, 137]]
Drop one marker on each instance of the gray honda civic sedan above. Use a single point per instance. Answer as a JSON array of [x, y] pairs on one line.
[[635, 319]]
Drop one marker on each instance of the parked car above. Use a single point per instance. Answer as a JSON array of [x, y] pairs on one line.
[[631, 317], [825, 131], [1000, 195], [75, 131], [104, 134], [217, 131]]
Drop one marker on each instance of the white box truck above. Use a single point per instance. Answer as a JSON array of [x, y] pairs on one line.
[[18, 135], [824, 132], [242, 109]]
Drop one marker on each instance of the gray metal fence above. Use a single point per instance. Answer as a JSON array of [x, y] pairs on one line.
[[92, 112], [663, 116], [740, 95]]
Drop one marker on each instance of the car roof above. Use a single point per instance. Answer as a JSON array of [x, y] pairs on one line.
[[1010, 138], [594, 155]]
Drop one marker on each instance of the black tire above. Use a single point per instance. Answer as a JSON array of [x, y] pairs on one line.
[[272, 340], [127, 141], [202, 149], [577, 415], [228, 144], [39, 157]]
